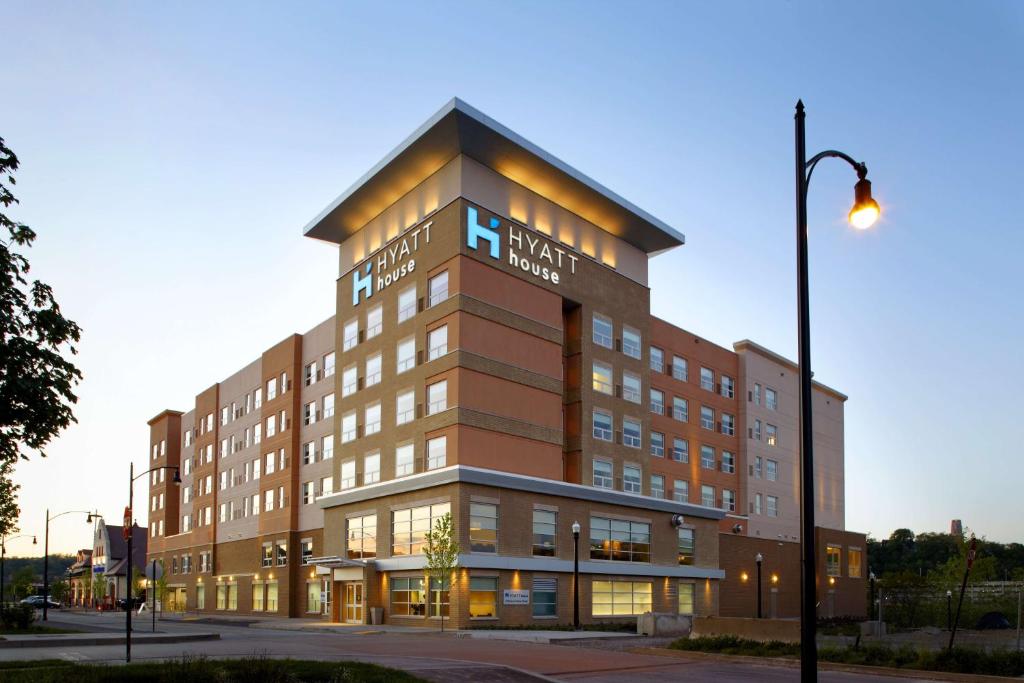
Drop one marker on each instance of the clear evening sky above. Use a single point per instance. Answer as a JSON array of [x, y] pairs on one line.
[[172, 153]]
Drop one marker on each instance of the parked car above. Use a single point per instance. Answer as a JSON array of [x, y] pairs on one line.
[[993, 620], [125, 604], [37, 602]]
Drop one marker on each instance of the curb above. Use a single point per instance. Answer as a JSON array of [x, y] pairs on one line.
[[918, 674], [141, 639]]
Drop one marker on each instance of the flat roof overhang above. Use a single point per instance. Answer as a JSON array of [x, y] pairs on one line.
[[458, 128]]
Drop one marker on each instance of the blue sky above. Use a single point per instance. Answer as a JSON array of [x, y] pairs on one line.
[[172, 153]]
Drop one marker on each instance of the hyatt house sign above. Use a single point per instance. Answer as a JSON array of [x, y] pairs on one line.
[[524, 251]]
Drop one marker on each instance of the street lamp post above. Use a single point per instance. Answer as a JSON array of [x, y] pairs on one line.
[[576, 575], [871, 580], [3, 554], [863, 215], [129, 519], [46, 553], [759, 558], [949, 610]]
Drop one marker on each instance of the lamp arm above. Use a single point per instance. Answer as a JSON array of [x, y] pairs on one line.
[[859, 166], [154, 469], [83, 512]]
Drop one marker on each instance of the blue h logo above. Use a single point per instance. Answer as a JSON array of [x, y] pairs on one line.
[[477, 231], [362, 283]]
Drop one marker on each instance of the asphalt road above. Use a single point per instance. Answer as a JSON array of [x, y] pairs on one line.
[[432, 656]]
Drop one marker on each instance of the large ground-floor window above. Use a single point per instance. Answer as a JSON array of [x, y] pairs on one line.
[[313, 597], [483, 596], [620, 598], [271, 596], [258, 602], [685, 598], [200, 596], [407, 597], [439, 598], [545, 597]]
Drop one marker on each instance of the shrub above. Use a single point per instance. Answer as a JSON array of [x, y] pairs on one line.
[[17, 616]]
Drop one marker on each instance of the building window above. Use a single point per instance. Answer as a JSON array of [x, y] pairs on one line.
[[350, 337], [603, 474], [437, 397], [483, 597], [222, 596], [348, 475], [707, 418], [728, 462], [348, 427], [271, 596], [771, 435], [309, 375], [437, 342], [680, 409], [729, 500], [282, 553], [327, 447], [685, 598], [658, 444], [602, 378], [407, 304], [757, 430], [771, 399], [437, 452], [371, 468], [267, 558], [854, 560], [329, 365], [728, 424], [686, 546], [404, 460], [631, 387], [374, 321], [328, 405], [771, 470], [405, 407], [631, 479], [681, 491], [371, 421], [349, 381], [483, 528], [308, 413], [437, 288], [773, 506], [657, 486], [707, 496], [631, 342], [326, 485], [680, 450], [620, 598], [707, 379], [657, 402], [833, 560], [603, 331], [680, 368], [728, 387], [407, 598], [545, 597], [258, 591], [307, 492], [757, 503], [544, 533], [631, 432], [707, 457], [657, 360], [306, 550], [308, 453], [757, 394], [440, 598], [409, 527], [373, 365], [602, 426], [620, 540], [361, 537], [312, 597], [406, 354], [268, 501]]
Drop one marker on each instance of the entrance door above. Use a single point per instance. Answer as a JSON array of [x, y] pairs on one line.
[[354, 603]]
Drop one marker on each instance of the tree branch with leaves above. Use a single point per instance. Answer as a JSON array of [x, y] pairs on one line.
[[442, 555]]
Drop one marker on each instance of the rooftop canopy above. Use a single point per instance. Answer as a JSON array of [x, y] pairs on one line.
[[460, 129]]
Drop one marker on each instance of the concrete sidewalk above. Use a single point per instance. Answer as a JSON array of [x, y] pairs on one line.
[[88, 639]]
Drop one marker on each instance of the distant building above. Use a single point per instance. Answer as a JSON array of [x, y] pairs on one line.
[[109, 559], [80, 579], [956, 528]]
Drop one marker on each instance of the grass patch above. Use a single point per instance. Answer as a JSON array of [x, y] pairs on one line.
[[960, 660], [256, 669]]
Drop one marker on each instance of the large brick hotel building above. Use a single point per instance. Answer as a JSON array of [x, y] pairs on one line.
[[493, 356]]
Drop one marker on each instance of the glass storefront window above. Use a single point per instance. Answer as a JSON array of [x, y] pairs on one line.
[[483, 597]]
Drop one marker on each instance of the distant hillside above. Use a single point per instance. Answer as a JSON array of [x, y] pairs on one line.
[[58, 565]]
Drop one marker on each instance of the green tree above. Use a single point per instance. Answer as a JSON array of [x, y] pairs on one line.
[[21, 583], [59, 590], [99, 589], [442, 555], [36, 380], [161, 583]]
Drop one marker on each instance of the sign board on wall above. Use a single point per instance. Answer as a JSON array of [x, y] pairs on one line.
[[516, 597]]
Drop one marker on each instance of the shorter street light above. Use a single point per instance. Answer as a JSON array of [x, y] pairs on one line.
[[576, 575], [759, 558], [46, 553], [3, 553], [949, 610]]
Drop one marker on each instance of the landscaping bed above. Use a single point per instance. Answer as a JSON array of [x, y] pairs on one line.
[[960, 660]]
